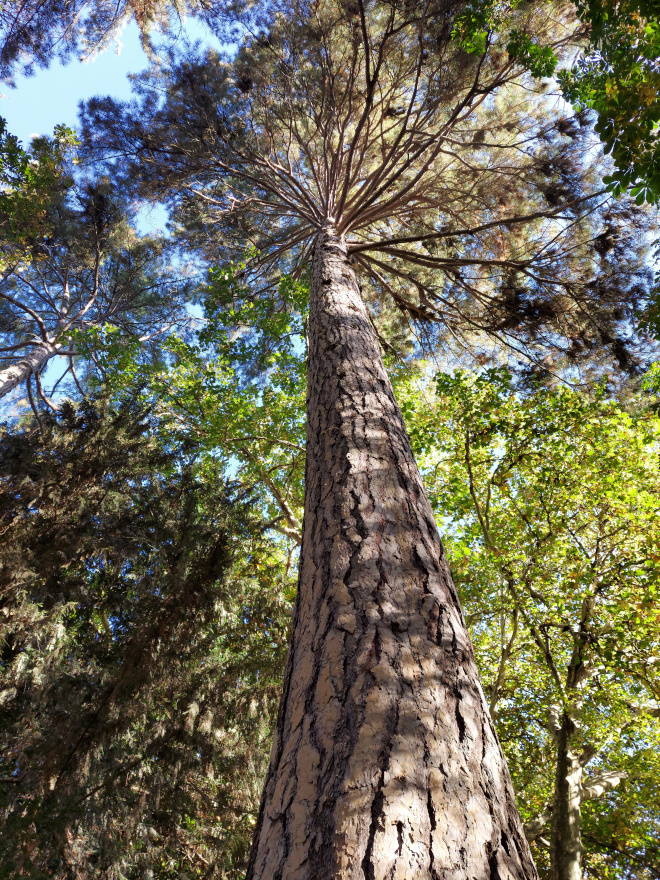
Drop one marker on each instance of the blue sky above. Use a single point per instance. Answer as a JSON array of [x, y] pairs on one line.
[[40, 102], [51, 97]]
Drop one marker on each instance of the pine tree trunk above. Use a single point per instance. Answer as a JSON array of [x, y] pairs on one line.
[[385, 764], [12, 376], [565, 837]]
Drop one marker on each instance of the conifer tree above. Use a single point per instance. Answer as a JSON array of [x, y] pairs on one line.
[[389, 145], [35, 32], [75, 273], [141, 648]]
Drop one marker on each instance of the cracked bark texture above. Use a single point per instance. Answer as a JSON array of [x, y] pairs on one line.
[[385, 764]]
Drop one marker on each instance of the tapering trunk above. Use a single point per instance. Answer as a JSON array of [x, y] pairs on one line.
[[12, 376], [565, 838], [385, 764]]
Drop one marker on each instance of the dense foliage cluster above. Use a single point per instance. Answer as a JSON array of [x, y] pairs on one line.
[[550, 505], [152, 468], [144, 624]]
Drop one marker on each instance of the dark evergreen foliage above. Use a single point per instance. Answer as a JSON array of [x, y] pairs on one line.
[[142, 632]]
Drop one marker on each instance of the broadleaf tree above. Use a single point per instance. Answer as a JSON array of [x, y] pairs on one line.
[[618, 77], [349, 143], [551, 504], [31, 179], [615, 74], [239, 390]]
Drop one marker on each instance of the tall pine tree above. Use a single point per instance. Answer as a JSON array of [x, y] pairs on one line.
[[392, 145]]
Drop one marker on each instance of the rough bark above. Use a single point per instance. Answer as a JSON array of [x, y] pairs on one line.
[[385, 764], [31, 363], [565, 838]]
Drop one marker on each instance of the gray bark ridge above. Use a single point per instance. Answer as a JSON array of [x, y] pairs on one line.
[[566, 838], [385, 764], [31, 363]]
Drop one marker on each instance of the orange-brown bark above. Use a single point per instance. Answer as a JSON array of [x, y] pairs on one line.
[[385, 764]]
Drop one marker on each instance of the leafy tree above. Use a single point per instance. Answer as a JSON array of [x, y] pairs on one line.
[[239, 391], [30, 181], [363, 139], [618, 77], [75, 273], [142, 647], [552, 506]]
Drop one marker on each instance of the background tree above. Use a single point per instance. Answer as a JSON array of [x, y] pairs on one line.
[[590, 449], [143, 632], [615, 75], [34, 32], [75, 269], [618, 77], [30, 180], [551, 501], [238, 389]]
